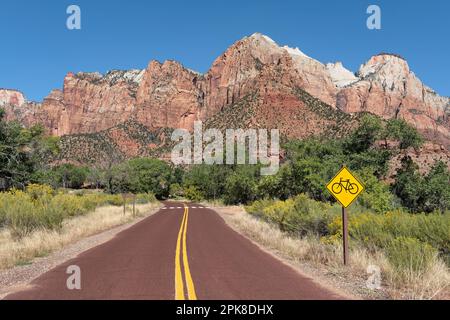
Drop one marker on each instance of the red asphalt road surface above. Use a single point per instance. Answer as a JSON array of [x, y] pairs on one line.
[[140, 263]]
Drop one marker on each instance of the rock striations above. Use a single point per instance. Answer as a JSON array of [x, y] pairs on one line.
[[255, 82]]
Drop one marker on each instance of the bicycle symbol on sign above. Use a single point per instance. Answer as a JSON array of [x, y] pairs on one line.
[[346, 185]]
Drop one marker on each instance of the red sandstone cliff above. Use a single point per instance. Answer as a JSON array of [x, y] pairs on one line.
[[170, 95]]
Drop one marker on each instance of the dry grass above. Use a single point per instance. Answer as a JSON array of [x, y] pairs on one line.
[[42, 242], [432, 283]]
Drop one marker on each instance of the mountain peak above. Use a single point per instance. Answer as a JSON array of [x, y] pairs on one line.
[[260, 36], [386, 65], [295, 52], [340, 75], [11, 97]]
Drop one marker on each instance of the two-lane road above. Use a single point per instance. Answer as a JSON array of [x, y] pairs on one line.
[[181, 252]]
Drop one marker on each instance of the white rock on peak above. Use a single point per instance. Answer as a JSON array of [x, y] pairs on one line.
[[113, 76], [295, 52], [134, 75], [315, 77], [11, 97], [268, 43], [341, 76], [266, 38]]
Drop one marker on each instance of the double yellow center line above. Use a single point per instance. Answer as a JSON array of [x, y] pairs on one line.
[[182, 258]]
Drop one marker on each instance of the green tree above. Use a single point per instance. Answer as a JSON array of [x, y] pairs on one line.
[[437, 188], [208, 179], [376, 195], [70, 176], [241, 185], [370, 129], [408, 185], [141, 175], [17, 149], [95, 177], [423, 193], [400, 130]]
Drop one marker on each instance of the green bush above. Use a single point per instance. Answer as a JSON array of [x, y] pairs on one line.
[[311, 217], [367, 228], [241, 185], [143, 198], [193, 194], [114, 200], [71, 205], [300, 215], [38, 191], [3, 204], [423, 193], [140, 175], [257, 207], [51, 216], [175, 190], [409, 254], [376, 195], [378, 230], [20, 213]]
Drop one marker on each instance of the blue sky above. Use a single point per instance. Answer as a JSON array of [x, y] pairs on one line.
[[37, 50]]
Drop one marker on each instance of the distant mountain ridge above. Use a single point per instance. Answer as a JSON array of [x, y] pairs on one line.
[[262, 83]]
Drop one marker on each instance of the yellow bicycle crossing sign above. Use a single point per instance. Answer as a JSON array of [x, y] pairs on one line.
[[345, 187]]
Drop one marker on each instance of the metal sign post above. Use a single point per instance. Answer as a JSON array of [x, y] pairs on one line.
[[345, 234], [345, 188]]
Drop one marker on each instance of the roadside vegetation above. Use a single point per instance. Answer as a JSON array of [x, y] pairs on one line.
[[41, 207], [39, 219], [403, 226], [323, 260], [38, 227], [410, 249]]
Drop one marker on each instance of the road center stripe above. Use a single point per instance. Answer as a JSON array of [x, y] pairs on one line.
[[187, 272], [179, 286], [181, 255]]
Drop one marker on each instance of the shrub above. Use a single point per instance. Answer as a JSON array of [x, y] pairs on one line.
[[367, 228], [3, 199], [376, 195], [241, 186], [303, 216], [71, 205], [193, 194], [423, 193], [175, 190], [38, 191], [435, 229], [257, 207], [20, 213], [278, 212], [378, 230], [409, 254], [300, 215], [51, 216], [143, 198], [114, 200]]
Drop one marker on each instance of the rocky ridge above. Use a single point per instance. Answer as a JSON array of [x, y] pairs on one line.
[[288, 90]]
